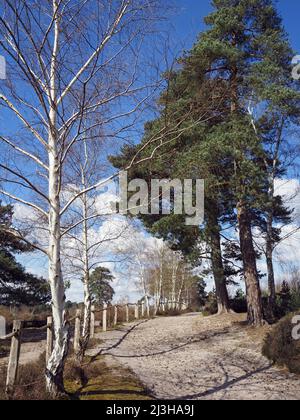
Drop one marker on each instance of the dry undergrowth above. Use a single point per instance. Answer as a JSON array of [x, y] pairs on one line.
[[30, 384], [97, 380]]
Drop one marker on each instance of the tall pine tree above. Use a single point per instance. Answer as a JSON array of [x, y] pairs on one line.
[[241, 63], [246, 48]]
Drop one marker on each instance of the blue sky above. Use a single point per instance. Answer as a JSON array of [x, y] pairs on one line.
[[187, 23]]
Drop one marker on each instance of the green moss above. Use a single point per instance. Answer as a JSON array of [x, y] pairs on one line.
[[103, 382]]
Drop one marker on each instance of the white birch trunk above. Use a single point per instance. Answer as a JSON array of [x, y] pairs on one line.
[[159, 288], [55, 367], [54, 373], [87, 295], [179, 297], [147, 306]]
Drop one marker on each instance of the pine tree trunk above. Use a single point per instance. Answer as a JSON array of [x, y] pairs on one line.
[[217, 263], [255, 311]]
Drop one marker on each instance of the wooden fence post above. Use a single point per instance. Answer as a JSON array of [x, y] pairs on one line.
[[77, 331], [104, 318], [49, 348], [116, 316], [127, 313], [13, 364], [136, 311], [92, 326]]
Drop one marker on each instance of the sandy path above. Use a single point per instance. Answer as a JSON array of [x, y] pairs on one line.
[[30, 352], [191, 357]]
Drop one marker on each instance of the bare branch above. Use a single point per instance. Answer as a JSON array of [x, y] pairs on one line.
[[18, 235], [24, 121], [96, 53], [27, 203], [27, 181], [25, 153]]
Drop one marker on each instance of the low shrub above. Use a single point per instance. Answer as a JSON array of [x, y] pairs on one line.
[[4, 349], [37, 314], [239, 303], [280, 347], [74, 372], [211, 305], [31, 382]]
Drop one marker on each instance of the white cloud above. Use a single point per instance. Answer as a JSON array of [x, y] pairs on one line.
[[119, 240], [288, 251], [121, 236], [29, 221], [289, 189]]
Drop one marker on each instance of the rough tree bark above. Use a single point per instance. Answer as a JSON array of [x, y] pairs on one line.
[[255, 311], [253, 291], [216, 261]]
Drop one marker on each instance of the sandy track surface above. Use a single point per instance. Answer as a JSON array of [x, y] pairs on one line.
[[191, 357], [32, 348]]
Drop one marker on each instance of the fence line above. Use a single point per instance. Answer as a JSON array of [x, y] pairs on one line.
[[16, 335]]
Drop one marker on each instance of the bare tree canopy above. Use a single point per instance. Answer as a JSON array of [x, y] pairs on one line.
[[75, 71]]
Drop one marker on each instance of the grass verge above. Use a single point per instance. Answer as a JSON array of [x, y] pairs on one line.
[[103, 380], [97, 379]]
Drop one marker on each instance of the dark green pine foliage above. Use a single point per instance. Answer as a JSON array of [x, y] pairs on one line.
[[16, 286], [100, 286], [242, 62], [247, 48], [283, 301], [193, 104], [188, 155], [201, 292]]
